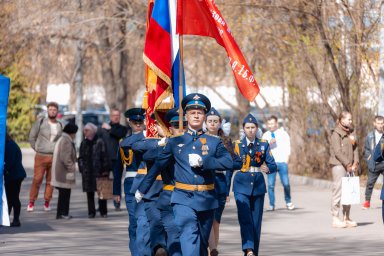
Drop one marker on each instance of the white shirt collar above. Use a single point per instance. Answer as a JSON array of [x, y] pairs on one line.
[[248, 141]]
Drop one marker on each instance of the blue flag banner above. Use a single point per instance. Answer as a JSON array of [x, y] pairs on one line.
[[4, 94]]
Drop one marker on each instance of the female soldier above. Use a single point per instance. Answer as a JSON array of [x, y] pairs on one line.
[[249, 185], [222, 178]]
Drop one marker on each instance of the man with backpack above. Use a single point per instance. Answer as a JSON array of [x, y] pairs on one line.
[[43, 136]]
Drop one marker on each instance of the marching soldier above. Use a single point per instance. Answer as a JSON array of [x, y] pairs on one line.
[[195, 156], [167, 173], [157, 231], [134, 165], [222, 178], [249, 185]]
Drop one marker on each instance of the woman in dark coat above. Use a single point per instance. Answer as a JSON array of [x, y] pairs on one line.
[[14, 175], [93, 163]]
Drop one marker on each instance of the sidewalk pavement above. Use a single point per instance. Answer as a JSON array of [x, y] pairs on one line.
[[305, 231]]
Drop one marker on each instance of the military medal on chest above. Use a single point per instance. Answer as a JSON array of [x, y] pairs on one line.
[[204, 147]]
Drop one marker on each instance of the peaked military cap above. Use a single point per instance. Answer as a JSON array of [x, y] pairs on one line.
[[172, 117], [213, 112], [196, 101], [250, 119], [135, 114]]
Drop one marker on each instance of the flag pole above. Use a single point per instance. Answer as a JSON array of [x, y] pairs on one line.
[[181, 128], [181, 73]]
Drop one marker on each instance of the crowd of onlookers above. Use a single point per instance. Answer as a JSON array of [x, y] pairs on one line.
[[56, 160]]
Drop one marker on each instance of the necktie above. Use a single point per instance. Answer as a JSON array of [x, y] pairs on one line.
[[250, 147]]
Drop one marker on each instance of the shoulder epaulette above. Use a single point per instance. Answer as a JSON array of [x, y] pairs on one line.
[[174, 136]]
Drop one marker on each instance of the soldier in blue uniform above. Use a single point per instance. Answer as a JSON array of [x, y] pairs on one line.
[[378, 156], [151, 195], [167, 173], [249, 185], [195, 157], [134, 165], [222, 178]]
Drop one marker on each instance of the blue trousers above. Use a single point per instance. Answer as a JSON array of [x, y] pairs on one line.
[[195, 228], [221, 198], [173, 232], [282, 169], [250, 215], [117, 173], [131, 205], [156, 228], [143, 241]]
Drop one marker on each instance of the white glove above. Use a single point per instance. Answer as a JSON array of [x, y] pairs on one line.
[[162, 142], [195, 160], [138, 196]]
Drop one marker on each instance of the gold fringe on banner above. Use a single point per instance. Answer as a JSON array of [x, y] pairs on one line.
[[157, 71]]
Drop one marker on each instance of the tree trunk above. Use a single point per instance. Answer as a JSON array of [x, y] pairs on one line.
[[79, 90]]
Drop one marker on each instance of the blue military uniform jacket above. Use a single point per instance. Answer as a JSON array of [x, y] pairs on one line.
[[252, 183], [142, 147], [132, 160], [215, 157], [168, 178]]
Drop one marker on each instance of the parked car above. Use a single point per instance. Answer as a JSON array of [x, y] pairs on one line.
[[95, 117]]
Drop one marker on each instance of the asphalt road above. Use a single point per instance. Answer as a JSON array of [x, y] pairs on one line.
[[305, 231]]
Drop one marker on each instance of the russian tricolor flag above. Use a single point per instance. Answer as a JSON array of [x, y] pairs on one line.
[[161, 51]]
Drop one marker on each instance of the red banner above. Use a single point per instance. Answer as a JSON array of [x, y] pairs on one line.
[[202, 17]]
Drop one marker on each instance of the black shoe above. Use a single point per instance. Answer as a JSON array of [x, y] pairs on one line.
[[15, 223], [91, 216], [65, 217], [103, 215]]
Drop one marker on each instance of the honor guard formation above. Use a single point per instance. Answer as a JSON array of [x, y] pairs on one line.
[[176, 186]]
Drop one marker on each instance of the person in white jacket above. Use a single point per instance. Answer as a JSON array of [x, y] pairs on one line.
[[280, 145]]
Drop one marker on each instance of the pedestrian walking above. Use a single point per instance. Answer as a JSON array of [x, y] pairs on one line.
[[280, 145], [93, 164], [43, 136], [249, 185], [112, 133], [64, 168], [374, 168], [14, 174], [344, 159]]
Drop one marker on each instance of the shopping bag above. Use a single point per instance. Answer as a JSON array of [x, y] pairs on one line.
[[104, 188], [350, 190]]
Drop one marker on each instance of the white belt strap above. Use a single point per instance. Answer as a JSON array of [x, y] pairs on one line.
[[221, 172], [254, 169], [130, 174]]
